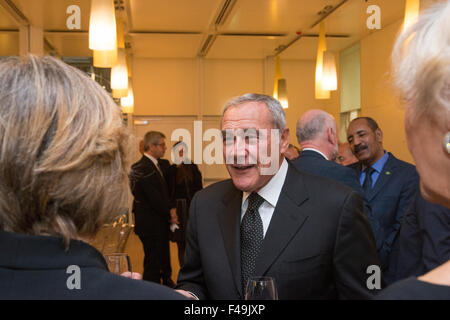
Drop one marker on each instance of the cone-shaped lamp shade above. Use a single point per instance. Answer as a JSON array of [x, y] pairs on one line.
[[329, 76], [119, 76], [277, 76], [282, 93], [102, 25], [127, 102], [320, 92], [105, 58], [411, 13]]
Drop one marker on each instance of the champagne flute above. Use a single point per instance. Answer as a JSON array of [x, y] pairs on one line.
[[261, 288], [118, 262]]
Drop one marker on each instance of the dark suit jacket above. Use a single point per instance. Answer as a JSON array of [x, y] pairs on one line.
[[315, 164], [318, 244], [151, 204], [35, 267], [423, 242], [389, 199]]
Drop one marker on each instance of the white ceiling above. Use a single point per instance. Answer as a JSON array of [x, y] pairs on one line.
[[252, 29]]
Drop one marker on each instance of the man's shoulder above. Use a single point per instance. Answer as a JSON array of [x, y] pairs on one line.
[[317, 184], [400, 163], [217, 189], [328, 169]]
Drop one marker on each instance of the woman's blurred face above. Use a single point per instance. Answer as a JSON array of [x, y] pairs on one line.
[[424, 139]]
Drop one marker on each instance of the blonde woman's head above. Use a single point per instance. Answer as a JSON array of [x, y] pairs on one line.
[[63, 150]]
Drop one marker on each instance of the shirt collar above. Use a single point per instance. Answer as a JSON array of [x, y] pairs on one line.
[[271, 191], [154, 160], [378, 166], [312, 149]]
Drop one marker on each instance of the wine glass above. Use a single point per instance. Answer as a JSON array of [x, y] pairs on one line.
[[261, 288], [118, 262]]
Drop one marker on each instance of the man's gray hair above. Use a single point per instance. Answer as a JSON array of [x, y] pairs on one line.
[[152, 137], [311, 129], [276, 110], [421, 65]]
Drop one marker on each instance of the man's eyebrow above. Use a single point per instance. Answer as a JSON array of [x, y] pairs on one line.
[[232, 131]]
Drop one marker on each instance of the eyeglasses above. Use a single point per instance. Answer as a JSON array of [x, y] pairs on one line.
[[160, 144]]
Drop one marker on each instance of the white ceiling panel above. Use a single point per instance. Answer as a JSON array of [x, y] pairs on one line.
[[279, 16], [172, 15], [250, 29], [244, 47], [165, 45]]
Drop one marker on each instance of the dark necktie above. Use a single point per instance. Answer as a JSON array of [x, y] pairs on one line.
[[252, 235], [367, 185]]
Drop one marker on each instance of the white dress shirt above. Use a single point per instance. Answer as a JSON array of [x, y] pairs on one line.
[[155, 162], [270, 193]]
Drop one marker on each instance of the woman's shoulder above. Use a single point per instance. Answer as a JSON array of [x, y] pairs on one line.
[[414, 289]]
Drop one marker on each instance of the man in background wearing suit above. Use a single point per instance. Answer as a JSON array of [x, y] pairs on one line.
[[309, 233], [389, 184], [317, 135], [153, 209]]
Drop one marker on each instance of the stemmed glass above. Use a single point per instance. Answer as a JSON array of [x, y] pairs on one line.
[[261, 288], [118, 262]]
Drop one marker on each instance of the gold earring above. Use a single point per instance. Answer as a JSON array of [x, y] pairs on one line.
[[446, 142]]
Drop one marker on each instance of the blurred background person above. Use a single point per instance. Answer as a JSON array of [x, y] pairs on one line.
[[63, 175], [153, 209], [345, 155], [421, 69], [186, 180], [292, 152]]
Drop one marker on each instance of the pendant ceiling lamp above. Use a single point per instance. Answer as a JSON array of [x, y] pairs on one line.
[[329, 75], [277, 76], [103, 33], [411, 12], [127, 102], [282, 93], [320, 92], [119, 76], [280, 86]]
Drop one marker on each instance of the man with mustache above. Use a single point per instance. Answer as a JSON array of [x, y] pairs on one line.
[[309, 233], [389, 183]]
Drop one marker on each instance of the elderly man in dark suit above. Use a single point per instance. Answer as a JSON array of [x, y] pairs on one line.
[[317, 135], [270, 219], [389, 183], [153, 209]]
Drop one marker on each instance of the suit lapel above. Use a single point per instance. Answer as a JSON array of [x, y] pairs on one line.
[[385, 175], [287, 219], [229, 216]]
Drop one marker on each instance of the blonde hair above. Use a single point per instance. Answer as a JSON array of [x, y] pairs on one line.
[[421, 65], [63, 150]]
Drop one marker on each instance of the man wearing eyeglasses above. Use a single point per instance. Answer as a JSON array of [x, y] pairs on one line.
[[154, 212]]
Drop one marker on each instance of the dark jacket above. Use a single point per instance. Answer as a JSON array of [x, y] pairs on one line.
[[318, 245], [151, 204], [389, 199], [315, 164], [423, 242], [36, 267]]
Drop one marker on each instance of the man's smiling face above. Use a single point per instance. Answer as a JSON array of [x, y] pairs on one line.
[[242, 141]]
